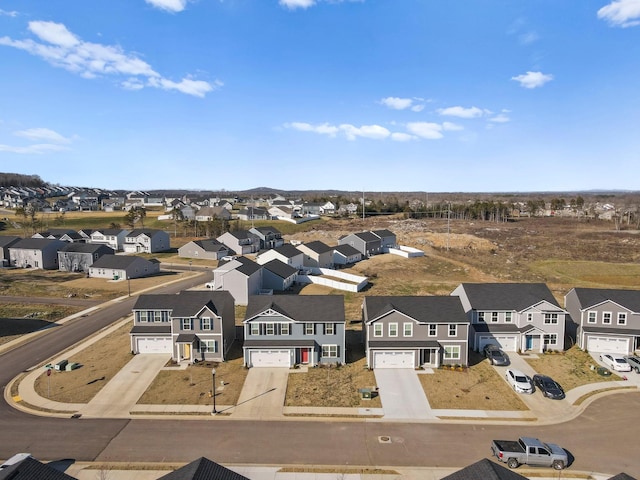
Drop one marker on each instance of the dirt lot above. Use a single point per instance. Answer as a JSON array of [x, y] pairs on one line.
[[17, 319]]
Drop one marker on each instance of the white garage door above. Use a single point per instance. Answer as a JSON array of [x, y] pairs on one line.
[[270, 358], [508, 343], [393, 360], [154, 345], [608, 345]]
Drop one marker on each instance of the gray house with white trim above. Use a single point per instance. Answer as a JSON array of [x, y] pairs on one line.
[[35, 253], [241, 277], [78, 257], [123, 267], [317, 254], [209, 248]]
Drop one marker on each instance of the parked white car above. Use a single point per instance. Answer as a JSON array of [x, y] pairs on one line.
[[519, 381], [617, 363]]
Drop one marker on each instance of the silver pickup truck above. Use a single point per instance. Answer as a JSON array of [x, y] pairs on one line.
[[529, 451]]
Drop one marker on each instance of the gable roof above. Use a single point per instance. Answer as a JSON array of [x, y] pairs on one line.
[[109, 231], [507, 296], [622, 476], [116, 261], [280, 269], [301, 308], [86, 248], [588, 297], [211, 245], [317, 246], [347, 250], [203, 469], [8, 240], [426, 309], [32, 469], [367, 236], [287, 250], [248, 267], [36, 243], [383, 233], [486, 470], [149, 232], [242, 234], [186, 303]]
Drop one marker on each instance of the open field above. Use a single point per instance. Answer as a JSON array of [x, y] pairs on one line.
[[17, 319]]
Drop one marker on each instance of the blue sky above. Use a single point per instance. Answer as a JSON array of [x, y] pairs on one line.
[[374, 95]]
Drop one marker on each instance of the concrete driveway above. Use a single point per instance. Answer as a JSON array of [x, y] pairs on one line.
[[262, 397], [121, 393], [402, 395]]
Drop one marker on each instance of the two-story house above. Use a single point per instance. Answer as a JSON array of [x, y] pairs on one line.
[[146, 240], [191, 326], [414, 331], [35, 253], [286, 253], [367, 243], [78, 257], [209, 248], [317, 254], [5, 242], [608, 320], [111, 237], [241, 242], [285, 330], [270, 237], [345, 255], [515, 316], [241, 277]]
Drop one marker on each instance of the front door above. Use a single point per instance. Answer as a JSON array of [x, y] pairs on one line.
[[529, 340], [187, 351], [305, 355]]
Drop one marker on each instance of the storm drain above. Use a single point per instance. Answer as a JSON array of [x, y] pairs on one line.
[[384, 439]]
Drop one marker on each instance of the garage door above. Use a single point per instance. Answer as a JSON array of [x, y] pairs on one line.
[[154, 345], [270, 358], [508, 343], [393, 360], [608, 345]]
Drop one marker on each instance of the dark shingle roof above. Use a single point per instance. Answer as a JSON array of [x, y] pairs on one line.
[[248, 267], [301, 308], [347, 250], [280, 268], [7, 240], [210, 245], [485, 470], [203, 469], [384, 233], [317, 246], [367, 236], [187, 303], [507, 296], [116, 261], [588, 297], [149, 232], [36, 243], [445, 309], [86, 248], [287, 250], [32, 469], [622, 476]]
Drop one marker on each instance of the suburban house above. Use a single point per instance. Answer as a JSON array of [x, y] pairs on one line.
[[345, 255], [285, 330], [387, 238], [253, 213], [23, 466], [327, 208], [367, 243], [146, 240], [515, 316], [414, 331], [192, 325], [278, 276], [241, 277], [287, 254], [78, 257], [317, 254], [5, 242], [311, 208], [206, 214], [122, 267], [209, 248], [35, 253], [270, 237], [111, 237], [284, 212], [241, 242], [66, 235], [203, 469], [608, 320]]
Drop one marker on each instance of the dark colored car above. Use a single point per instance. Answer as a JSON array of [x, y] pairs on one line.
[[495, 355], [549, 387]]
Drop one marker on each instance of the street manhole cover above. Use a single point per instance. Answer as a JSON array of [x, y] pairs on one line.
[[384, 439]]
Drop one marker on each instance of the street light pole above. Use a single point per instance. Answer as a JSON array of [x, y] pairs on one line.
[[213, 392]]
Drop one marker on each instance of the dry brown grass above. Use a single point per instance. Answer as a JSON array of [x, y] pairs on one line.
[[570, 369], [193, 386], [100, 363], [19, 319], [477, 388], [331, 387]]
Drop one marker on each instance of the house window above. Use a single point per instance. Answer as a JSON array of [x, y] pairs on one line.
[[551, 318], [452, 352], [529, 317], [592, 317], [186, 324], [480, 317], [255, 329], [309, 328], [269, 329], [551, 339], [284, 329], [164, 316], [329, 351], [142, 316], [205, 323], [453, 330], [622, 318], [507, 317], [494, 317], [208, 346], [377, 330], [393, 329], [606, 318], [433, 330], [408, 329], [329, 329]]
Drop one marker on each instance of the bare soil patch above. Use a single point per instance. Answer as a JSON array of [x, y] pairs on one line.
[[17, 319], [100, 363], [570, 369], [478, 387]]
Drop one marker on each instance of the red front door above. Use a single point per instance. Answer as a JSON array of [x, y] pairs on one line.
[[305, 355]]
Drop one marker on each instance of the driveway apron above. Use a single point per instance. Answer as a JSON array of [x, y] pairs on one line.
[[262, 396], [402, 395], [121, 393]]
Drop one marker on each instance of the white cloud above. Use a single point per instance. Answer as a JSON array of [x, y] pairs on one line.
[[8, 13], [402, 137], [417, 108], [428, 130], [451, 127], [528, 38], [32, 149], [621, 13], [500, 118], [397, 103], [293, 4], [37, 134], [375, 132], [533, 79], [324, 129], [461, 112], [90, 60], [168, 5]]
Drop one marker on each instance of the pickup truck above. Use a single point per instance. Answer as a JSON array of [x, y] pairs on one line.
[[529, 451]]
